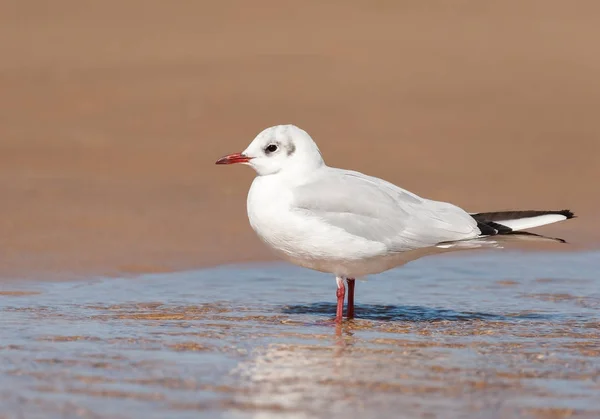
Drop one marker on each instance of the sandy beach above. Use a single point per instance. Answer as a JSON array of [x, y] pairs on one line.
[[113, 113]]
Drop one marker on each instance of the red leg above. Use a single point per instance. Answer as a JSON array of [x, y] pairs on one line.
[[350, 312], [340, 294]]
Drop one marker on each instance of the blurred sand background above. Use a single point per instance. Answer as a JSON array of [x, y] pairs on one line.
[[112, 114]]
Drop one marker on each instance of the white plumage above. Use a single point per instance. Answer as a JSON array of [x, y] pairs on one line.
[[532, 222]]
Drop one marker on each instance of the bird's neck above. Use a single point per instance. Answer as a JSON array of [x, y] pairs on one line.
[[296, 175]]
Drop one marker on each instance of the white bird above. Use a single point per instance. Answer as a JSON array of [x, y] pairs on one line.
[[349, 224]]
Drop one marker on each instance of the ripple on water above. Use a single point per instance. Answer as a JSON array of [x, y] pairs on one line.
[[487, 334]]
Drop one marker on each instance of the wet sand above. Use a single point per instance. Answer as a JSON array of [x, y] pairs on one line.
[[113, 113], [494, 335]]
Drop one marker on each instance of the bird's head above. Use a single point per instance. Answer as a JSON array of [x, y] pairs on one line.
[[282, 148]]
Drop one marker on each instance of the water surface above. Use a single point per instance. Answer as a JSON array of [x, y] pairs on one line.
[[484, 335]]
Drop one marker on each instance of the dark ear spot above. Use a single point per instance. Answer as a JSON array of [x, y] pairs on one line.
[[291, 148]]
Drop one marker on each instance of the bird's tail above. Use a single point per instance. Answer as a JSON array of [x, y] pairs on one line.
[[514, 222]]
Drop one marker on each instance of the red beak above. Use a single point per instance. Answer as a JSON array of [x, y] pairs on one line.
[[233, 158]]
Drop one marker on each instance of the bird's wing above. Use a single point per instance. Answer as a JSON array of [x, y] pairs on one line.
[[377, 210]]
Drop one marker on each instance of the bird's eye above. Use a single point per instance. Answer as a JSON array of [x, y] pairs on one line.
[[271, 148]]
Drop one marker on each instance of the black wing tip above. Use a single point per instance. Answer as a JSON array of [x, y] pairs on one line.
[[488, 227], [567, 213], [486, 217]]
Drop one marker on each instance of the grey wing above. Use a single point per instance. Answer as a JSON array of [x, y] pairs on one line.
[[379, 211]]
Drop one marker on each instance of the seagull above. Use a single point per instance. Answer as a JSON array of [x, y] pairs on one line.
[[349, 224]]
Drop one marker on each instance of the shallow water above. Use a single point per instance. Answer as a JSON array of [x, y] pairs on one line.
[[483, 335]]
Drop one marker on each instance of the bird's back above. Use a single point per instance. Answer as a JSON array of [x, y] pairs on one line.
[[380, 211]]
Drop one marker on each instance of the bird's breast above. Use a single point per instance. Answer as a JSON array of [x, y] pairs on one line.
[[268, 209]]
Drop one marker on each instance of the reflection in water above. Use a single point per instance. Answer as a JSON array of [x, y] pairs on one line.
[[459, 337]]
